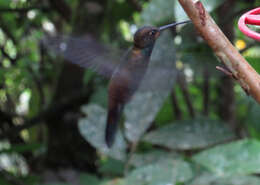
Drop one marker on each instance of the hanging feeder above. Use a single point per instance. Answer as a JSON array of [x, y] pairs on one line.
[[252, 17]]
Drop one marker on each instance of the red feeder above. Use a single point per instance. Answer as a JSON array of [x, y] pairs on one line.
[[252, 17]]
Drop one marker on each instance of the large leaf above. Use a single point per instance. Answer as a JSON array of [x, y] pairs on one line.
[[88, 179], [116, 181], [163, 172], [209, 179], [209, 5], [254, 62], [143, 108], [154, 156], [236, 158], [190, 134], [111, 167], [92, 128]]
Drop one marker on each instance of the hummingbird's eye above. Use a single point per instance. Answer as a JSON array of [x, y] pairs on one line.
[[152, 32]]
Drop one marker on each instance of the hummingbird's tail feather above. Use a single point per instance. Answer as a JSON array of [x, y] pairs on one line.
[[112, 123], [111, 129]]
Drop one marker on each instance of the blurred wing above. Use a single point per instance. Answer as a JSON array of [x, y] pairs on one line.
[[85, 52], [159, 78], [161, 72], [156, 86]]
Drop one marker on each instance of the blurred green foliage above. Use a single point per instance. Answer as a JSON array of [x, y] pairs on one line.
[[173, 134]]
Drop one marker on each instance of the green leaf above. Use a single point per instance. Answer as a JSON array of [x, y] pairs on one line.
[[92, 128], [116, 181], [239, 180], [165, 115], [236, 158], [209, 5], [154, 156], [190, 134], [112, 167], [88, 179], [210, 179], [254, 62], [163, 172]]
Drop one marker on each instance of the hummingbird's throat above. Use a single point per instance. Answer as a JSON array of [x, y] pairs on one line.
[[147, 51]]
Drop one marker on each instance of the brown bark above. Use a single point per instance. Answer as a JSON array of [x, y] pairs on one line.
[[245, 75]]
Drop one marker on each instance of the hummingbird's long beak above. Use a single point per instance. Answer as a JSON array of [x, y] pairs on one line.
[[172, 25]]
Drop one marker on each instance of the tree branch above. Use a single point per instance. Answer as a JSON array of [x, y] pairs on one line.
[[246, 76]]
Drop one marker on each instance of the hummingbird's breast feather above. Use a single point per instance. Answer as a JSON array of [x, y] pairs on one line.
[[128, 76], [126, 80], [121, 86]]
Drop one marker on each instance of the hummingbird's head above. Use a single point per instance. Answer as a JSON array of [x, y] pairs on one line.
[[146, 36]]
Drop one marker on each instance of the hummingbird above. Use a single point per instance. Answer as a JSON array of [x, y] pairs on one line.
[[125, 77], [128, 76]]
